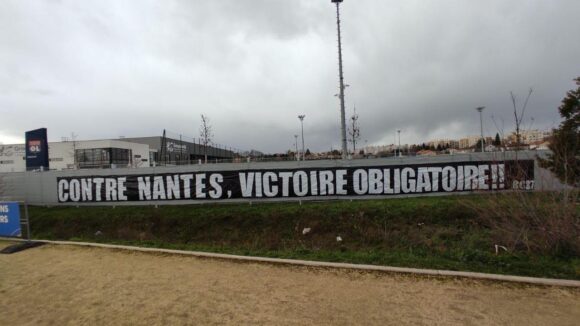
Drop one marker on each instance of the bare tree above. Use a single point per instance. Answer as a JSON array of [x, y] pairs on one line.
[[500, 131], [73, 139], [205, 133], [354, 130], [519, 116]]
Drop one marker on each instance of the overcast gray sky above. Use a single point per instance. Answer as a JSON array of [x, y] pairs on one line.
[[103, 69]]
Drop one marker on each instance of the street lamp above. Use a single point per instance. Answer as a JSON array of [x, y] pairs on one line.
[[301, 117], [341, 84], [399, 132], [296, 144], [480, 109]]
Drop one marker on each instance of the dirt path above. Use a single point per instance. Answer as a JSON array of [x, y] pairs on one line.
[[65, 285]]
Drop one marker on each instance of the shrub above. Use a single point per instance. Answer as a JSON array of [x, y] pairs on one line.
[[538, 223]]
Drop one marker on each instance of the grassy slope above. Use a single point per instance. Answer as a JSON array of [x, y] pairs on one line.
[[429, 232]]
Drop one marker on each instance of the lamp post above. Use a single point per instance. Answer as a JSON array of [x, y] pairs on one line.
[[399, 133], [480, 109], [301, 117], [341, 83], [296, 144]]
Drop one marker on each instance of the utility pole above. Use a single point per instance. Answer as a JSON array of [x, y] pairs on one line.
[[341, 85], [163, 151], [480, 109], [301, 117]]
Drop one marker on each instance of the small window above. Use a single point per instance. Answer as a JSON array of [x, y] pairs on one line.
[[7, 162]]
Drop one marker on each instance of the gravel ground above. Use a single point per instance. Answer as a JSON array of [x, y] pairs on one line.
[[67, 285]]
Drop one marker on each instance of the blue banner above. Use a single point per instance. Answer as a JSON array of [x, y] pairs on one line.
[[10, 219], [36, 149]]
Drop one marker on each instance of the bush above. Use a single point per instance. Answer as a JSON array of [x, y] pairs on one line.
[[544, 223]]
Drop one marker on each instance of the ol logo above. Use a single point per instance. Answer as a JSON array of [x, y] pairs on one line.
[[34, 146]]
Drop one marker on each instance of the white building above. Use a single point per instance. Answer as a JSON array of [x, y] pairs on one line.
[[531, 136], [375, 150], [12, 158], [438, 142], [80, 155], [468, 141]]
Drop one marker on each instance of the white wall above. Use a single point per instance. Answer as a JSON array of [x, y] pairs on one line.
[[12, 158], [41, 187]]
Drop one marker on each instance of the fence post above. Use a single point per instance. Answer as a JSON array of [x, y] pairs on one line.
[[27, 221]]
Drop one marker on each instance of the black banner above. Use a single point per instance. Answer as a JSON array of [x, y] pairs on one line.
[[36, 149], [298, 183]]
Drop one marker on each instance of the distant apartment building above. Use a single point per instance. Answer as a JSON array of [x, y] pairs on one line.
[[438, 142], [374, 150], [453, 143], [468, 142], [471, 141], [531, 136], [444, 142]]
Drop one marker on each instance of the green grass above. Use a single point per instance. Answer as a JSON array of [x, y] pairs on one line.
[[427, 232]]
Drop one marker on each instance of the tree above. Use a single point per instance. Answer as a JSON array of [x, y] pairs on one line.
[[206, 134], [354, 130], [565, 141], [497, 141], [478, 145], [519, 117]]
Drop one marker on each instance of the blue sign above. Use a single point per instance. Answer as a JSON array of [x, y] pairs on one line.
[[10, 219], [36, 149]]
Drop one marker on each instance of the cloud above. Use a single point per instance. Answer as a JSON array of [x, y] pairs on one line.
[[133, 68]]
